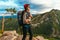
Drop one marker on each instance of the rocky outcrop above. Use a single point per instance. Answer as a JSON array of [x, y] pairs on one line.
[[12, 35], [9, 35]]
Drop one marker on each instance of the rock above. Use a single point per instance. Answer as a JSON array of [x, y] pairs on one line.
[[27, 38], [40, 38], [34, 38], [8, 38], [12, 35], [3, 38], [19, 37], [7, 33]]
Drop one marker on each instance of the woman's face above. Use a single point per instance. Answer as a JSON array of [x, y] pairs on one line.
[[28, 8]]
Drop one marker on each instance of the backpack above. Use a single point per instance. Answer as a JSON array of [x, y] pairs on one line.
[[20, 18]]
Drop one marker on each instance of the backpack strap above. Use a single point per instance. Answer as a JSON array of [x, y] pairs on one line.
[[22, 16]]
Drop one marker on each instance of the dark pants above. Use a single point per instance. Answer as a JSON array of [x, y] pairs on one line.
[[27, 28]]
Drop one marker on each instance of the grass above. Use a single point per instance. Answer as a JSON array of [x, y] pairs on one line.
[[54, 38]]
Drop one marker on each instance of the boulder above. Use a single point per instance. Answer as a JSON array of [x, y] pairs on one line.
[[7, 33], [19, 37], [39, 38], [8, 38], [27, 37]]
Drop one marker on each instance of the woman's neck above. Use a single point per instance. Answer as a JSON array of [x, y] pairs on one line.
[[26, 11]]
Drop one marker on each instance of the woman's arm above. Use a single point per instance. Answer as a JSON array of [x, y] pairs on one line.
[[31, 15]]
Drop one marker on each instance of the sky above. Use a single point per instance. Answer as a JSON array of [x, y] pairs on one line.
[[37, 6]]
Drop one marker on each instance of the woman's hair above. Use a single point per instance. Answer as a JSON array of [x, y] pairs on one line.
[[26, 5]]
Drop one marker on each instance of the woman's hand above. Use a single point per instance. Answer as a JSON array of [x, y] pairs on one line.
[[28, 21]]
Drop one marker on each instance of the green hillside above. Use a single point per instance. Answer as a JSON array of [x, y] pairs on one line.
[[48, 23]]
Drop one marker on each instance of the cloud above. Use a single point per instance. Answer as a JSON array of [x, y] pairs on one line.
[[40, 12], [37, 6], [8, 4], [42, 5], [48, 3], [4, 0], [45, 5], [57, 4]]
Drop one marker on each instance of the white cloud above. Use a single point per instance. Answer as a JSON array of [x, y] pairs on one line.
[[8, 4], [57, 4], [49, 4], [40, 12]]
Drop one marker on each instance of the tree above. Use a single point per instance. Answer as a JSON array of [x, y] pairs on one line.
[[11, 11], [3, 24]]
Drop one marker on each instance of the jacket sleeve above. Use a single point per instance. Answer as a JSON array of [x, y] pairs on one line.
[[24, 17]]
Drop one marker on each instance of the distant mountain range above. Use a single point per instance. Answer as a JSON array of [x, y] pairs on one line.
[[13, 16]]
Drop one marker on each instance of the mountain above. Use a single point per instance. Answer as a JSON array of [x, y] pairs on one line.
[[54, 14], [48, 23]]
